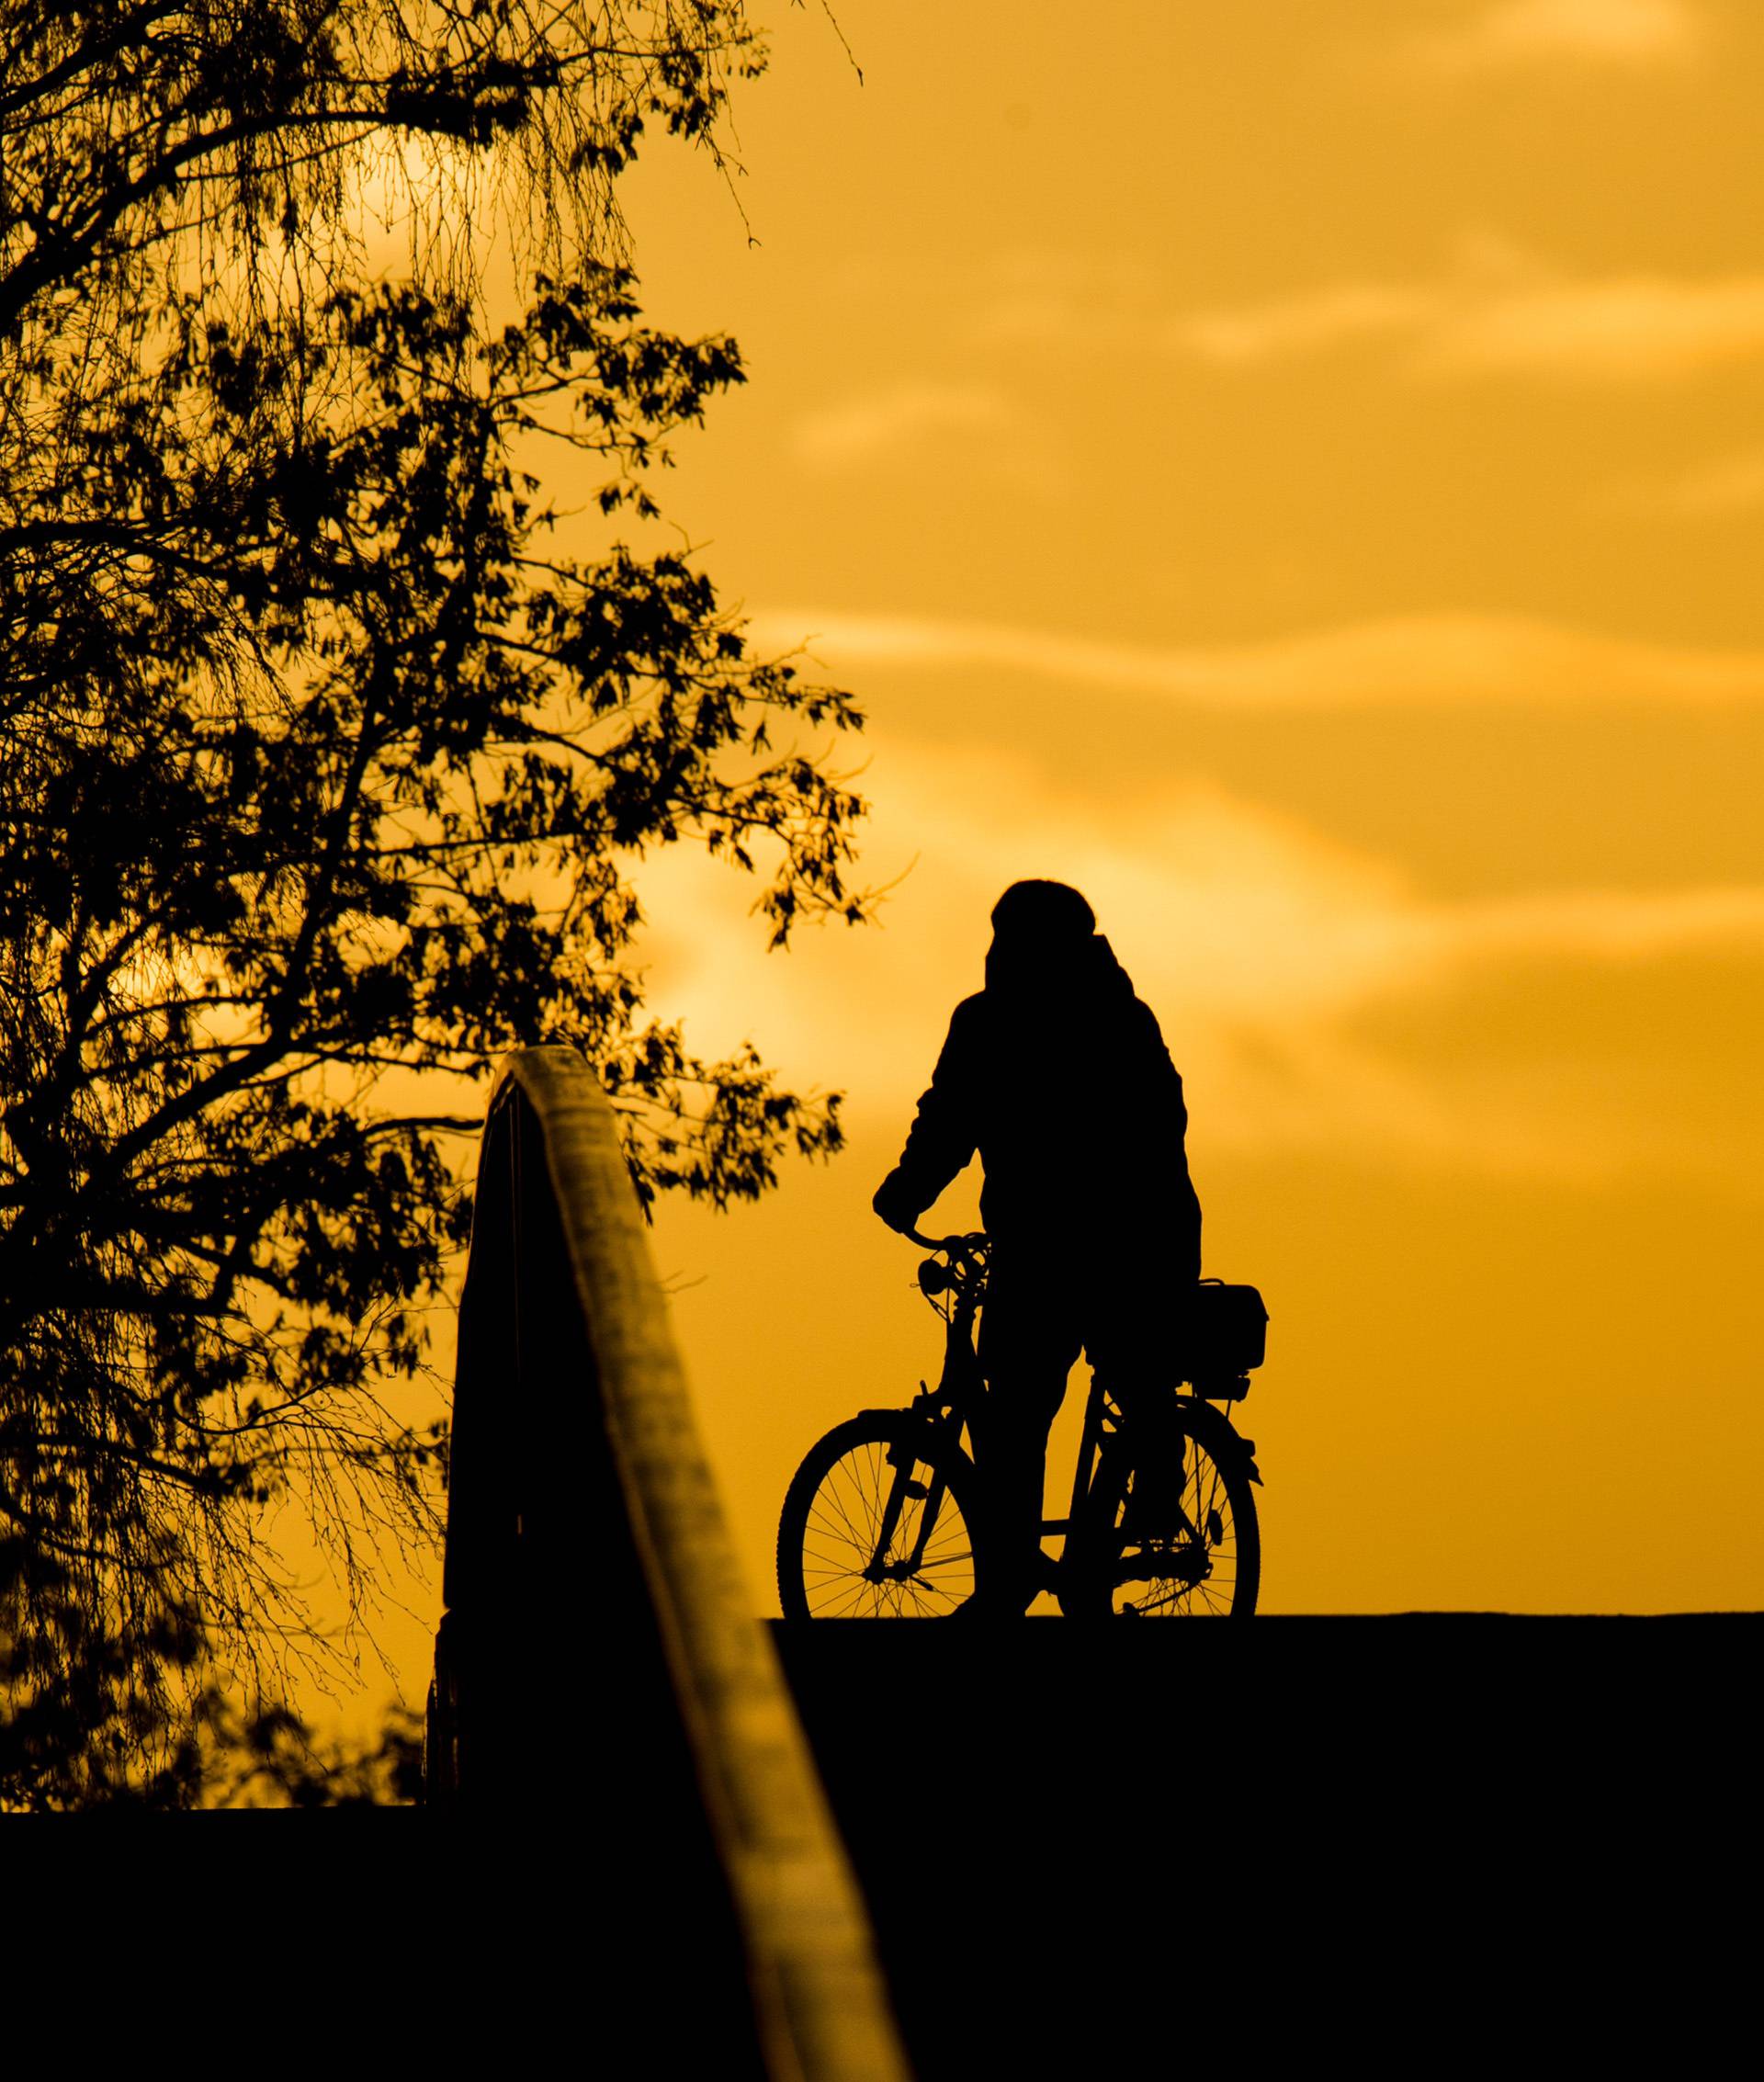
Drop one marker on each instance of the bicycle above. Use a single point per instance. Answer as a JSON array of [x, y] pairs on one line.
[[885, 1517]]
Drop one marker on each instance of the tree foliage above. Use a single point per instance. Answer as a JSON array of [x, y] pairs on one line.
[[324, 763]]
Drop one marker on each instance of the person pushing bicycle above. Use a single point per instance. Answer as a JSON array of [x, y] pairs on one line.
[[1057, 1076]]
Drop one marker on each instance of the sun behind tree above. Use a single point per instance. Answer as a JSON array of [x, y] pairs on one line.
[[323, 775]]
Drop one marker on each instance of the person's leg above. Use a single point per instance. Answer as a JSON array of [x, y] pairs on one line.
[[1030, 1334], [1130, 1343]]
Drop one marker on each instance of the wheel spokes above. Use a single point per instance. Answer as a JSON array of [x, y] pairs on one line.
[[1211, 1588], [846, 1576]]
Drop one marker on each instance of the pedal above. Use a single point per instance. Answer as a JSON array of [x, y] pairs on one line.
[[1187, 1563]]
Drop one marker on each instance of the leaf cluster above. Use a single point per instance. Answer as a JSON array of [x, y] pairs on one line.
[[327, 756]]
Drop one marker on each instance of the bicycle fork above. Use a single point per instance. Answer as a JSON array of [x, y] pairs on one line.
[[903, 1457]]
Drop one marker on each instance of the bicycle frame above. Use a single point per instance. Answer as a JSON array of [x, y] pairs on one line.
[[1099, 1478], [950, 1408]]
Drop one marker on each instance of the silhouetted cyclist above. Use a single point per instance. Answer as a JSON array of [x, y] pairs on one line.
[[1058, 1076]]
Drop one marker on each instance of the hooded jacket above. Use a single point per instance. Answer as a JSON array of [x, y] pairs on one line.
[[1057, 1076]]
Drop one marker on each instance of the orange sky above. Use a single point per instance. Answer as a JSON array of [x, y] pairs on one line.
[[1296, 473]]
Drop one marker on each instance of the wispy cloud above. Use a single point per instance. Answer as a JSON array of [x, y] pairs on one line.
[[1718, 488], [1426, 660], [1492, 308], [1497, 312], [1336, 314], [1261, 945], [1728, 486], [1636, 328], [1513, 33], [906, 417]]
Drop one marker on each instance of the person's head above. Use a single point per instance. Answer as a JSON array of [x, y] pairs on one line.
[[1049, 914], [1041, 931]]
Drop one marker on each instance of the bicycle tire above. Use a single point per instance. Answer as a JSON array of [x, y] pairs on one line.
[[833, 1509], [1219, 1499]]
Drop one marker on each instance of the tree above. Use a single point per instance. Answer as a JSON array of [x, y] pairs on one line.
[[322, 770]]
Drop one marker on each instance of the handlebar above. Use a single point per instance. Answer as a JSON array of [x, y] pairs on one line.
[[964, 1245]]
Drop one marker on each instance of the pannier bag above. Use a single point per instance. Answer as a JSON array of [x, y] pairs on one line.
[[1227, 1333]]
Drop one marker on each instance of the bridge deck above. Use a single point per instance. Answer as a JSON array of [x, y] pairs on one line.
[[1065, 1844], [1067, 1835]]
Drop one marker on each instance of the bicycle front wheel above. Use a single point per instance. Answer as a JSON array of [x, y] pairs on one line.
[[1212, 1567], [877, 1523]]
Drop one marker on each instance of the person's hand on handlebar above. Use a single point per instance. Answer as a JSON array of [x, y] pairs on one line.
[[896, 1203]]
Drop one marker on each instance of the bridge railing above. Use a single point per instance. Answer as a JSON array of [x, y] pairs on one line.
[[599, 1654]]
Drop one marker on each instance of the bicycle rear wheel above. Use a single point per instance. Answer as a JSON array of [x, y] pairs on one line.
[[877, 1523], [1212, 1569]]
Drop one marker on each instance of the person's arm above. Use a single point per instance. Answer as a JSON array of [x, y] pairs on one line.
[[945, 1132]]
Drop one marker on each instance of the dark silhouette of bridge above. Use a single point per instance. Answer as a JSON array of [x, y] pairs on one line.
[[851, 1850]]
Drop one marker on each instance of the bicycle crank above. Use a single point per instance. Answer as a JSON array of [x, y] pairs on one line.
[[1187, 1565]]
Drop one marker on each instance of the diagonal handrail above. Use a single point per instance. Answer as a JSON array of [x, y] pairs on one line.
[[561, 1311]]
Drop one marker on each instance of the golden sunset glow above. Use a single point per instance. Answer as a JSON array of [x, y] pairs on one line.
[[1296, 473]]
